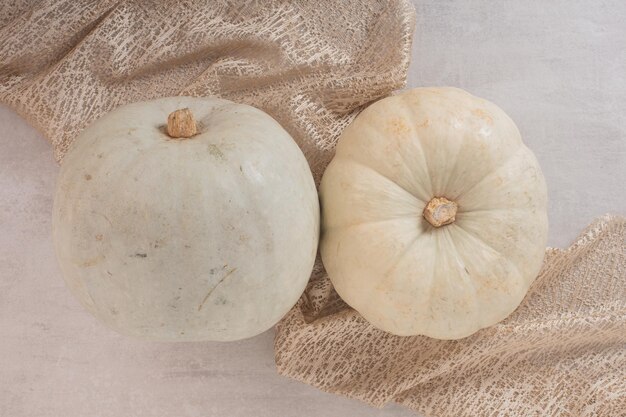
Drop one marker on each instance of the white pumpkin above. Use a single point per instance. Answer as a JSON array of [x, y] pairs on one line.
[[433, 214], [207, 237]]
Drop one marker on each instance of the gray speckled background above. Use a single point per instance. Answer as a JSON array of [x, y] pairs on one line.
[[557, 67]]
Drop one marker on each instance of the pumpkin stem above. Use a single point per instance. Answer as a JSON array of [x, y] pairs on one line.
[[440, 211], [181, 124]]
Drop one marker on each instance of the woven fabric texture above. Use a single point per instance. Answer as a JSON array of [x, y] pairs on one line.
[[65, 63], [561, 353]]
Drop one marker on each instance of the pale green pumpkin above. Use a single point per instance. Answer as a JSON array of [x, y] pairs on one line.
[[207, 237]]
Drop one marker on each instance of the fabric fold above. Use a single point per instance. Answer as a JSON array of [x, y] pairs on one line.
[[561, 353]]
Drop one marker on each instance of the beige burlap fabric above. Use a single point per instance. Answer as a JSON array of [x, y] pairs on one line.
[[313, 65], [561, 353]]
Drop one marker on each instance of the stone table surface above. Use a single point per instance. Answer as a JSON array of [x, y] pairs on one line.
[[558, 68]]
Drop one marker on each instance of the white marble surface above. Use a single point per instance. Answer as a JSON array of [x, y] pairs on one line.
[[557, 67]]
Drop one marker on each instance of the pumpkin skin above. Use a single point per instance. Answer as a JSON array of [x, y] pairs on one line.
[[211, 237], [386, 260]]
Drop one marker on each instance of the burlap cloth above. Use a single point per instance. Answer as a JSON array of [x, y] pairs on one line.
[[313, 65]]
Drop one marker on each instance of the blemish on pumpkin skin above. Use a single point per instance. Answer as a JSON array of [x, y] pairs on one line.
[[206, 297], [398, 126], [212, 271], [483, 115], [158, 243], [215, 151], [92, 261], [88, 177], [99, 238]]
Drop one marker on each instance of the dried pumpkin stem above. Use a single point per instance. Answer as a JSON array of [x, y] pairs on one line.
[[440, 211], [181, 124]]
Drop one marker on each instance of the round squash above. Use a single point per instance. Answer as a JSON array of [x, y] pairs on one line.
[[434, 214], [186, 219]]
